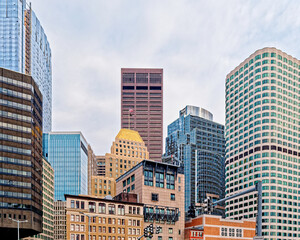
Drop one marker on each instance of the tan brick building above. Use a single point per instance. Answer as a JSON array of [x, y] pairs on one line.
[[127, 150], [48, 203], [109, 219], [211, 227], [160, 187], [60, 231]]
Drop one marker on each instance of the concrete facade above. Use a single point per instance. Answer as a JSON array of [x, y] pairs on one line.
[[60, 221], [142, 93]]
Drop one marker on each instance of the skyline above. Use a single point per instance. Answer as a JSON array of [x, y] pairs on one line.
[[197, 42]]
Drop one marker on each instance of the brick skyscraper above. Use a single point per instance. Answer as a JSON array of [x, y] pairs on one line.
[[142, 91]]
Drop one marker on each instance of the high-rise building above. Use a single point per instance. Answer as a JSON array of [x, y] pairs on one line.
[[127, 150], [48, 204], [262, 140], [60, 220], [160, 187], [24, 48], [142, 106], [67, 153], [20, 155], [193, 134]]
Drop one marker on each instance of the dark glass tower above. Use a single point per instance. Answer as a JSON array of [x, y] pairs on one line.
[[20, 155], [193, 134]]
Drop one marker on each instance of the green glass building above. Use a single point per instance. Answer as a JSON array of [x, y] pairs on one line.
[[262, 140]]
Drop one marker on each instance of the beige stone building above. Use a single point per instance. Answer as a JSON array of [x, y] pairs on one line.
[[92, 167], [60, 231], [100, 165], [48, 203], [127, 150], [109, 219], [160, 187]]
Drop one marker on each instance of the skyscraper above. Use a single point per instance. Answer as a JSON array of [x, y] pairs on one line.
[[20, 155], [142, 106], [193, 134], [24, 48], [262, 140], [67, 153]]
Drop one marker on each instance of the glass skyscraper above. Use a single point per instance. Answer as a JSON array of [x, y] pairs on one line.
[[262, 141], [67, 153], [24, 48], [195, 133]]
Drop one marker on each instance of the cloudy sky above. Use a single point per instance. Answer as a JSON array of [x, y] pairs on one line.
[[196, 43]]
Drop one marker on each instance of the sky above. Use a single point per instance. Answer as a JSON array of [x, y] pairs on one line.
[[196, 42]]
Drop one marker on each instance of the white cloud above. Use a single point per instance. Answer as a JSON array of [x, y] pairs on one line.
[[196, 42]]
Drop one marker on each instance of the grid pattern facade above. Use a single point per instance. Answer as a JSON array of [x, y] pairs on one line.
[[68, 154], [48, 204], [110, 219], [262, 140], [192, 135], [60, 220], [24, 48], [100, 165], [142, 91], [20, 154]]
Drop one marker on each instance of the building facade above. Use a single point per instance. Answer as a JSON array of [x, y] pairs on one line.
[[24, 48], [142, 106], [48, 204], [67, 153], [262, 140], [60, 220], [92, 167], [109, 219], [160, 187], [100, 165], [21, 154], [210, 227], [193, 134], [127, 150]]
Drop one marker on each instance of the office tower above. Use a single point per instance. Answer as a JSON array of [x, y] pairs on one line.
[[193, 134], [60, 220], [100, 165], [109, 218], [21, 155], [24, 48], [68, 155], [127, 150], [160, 187], [142, 106], [48, 204], [262, 140], [92, 166]]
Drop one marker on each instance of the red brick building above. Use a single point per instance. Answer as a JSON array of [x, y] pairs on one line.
[[211, 227]]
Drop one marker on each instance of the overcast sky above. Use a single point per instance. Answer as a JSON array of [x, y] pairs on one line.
[[196, 43]]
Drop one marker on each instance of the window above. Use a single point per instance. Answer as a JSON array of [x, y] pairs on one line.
[[154, 197], [170, 230], [159, 179], [92, 207], [102, 208], [72, 204], [148, 177], [172, 196], [121, 210], [111, 209], [170, 181]]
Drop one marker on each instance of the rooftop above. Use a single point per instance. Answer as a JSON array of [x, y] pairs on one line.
[[130, 135]]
